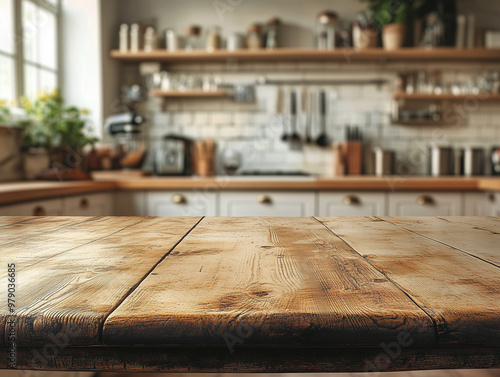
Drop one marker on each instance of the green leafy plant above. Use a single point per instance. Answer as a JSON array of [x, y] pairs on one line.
[[5, 116], [50, 124], [384, 12]]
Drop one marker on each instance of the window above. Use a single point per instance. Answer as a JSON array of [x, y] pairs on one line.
[[29, 53]]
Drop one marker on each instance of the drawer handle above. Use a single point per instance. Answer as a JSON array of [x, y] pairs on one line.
[[491, 198], [84, 203], [425, 200], [352, 200], [179, 199], [39, 211], [264, 199]]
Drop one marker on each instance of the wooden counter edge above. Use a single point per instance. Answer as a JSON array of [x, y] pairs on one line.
[[253, 360], [64, 189], [58, 190]]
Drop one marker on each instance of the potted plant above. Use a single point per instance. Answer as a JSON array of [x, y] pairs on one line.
[[394, 18], [10, 146], [60, 132]]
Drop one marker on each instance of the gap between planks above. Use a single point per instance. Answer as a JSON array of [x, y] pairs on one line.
[[440, 242], [387, 277], [134, 287]]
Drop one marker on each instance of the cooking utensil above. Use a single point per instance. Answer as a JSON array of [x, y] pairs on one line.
[[280, 104], [306, 110], [294, 137], [322, 139]]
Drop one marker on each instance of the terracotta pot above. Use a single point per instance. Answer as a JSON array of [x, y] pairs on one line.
[[393, 36]]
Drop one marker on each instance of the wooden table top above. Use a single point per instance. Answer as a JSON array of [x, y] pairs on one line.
[[250, 294]]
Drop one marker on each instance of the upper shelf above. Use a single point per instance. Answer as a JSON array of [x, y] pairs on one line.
[[309, 54], [447, 96]]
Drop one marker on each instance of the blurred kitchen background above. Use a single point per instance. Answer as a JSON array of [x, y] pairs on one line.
[[241, 90]]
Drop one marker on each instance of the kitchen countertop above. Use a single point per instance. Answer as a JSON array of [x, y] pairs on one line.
[[17, 192], [252, 294]]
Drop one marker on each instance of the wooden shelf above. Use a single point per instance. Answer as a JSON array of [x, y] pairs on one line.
[[418, 122], [448, 97], [309, 54], [189, 94]]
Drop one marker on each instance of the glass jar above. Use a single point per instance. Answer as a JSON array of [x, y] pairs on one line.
[[193, 40], [213, 38], [272, 33], [254, 39], [326, 30]]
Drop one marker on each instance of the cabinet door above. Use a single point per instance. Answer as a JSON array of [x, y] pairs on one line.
[[425, 204], [130, 203], [273, 204], [493, 204], [475, 204], [181, 203], [52, 207], [89, 205], [352, 204]]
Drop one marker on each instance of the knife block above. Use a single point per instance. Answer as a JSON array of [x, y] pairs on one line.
[[353, 157]]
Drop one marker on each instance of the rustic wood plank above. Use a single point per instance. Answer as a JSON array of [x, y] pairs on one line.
[[74, 278], [478, 236], [460, 292], [16, 231], [19, 229], [256, 360], [265, 281]]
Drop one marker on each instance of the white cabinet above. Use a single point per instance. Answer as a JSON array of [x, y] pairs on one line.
[[130, 203], [181, 203], [475, 204], [89, 205], [425, 204], [271, 203], [352, 204], [493, 204], [51, 207]]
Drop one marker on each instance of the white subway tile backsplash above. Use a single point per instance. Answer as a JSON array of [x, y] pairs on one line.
[[255, 129], [221, 118]]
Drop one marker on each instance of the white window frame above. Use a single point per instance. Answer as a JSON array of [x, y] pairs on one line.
[[18, 53]]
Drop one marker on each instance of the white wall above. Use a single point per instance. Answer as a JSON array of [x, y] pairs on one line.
[[82, 83]]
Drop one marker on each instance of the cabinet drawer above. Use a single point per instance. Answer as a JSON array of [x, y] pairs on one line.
[[273, 204], [181, 203], [352, 204], [425, 204], [52, 207], [89, 205]]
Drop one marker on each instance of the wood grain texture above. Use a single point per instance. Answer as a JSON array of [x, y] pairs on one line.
[[19, 192], [459, 291], [478, 236], [267, 281], [75, 276], [256, 360]]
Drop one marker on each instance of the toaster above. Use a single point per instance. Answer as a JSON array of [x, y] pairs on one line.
[[174, 156]]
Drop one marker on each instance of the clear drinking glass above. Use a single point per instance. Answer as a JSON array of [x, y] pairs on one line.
[[231, 161]]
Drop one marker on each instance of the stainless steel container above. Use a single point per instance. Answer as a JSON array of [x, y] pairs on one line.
[[11, 159], [441, 161], [384, 162]]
